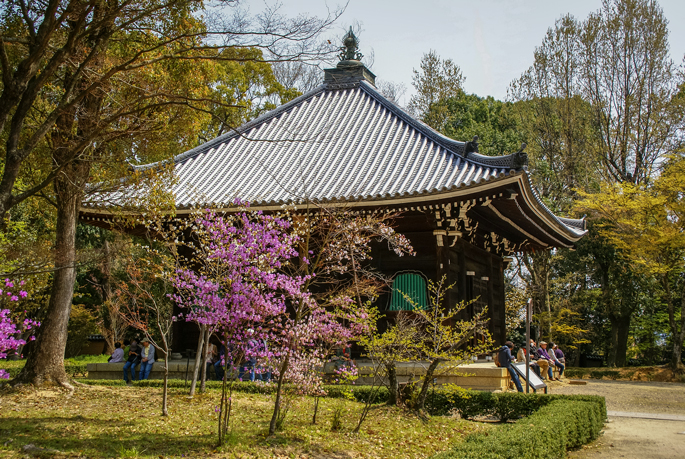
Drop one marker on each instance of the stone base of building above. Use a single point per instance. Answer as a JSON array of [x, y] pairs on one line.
[[177, 370], [479, 376]]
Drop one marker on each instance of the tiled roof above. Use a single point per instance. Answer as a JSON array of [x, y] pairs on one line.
[[331, 144], [343, 141]]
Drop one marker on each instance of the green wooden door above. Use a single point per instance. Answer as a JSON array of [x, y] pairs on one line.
[[412, 285]]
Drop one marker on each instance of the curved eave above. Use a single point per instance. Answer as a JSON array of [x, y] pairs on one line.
[[542, 222]]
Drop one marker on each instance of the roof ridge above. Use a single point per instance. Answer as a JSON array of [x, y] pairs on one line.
[[439, 138], [512, 160]]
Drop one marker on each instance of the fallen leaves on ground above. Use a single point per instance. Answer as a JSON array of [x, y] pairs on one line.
[[107, 422]]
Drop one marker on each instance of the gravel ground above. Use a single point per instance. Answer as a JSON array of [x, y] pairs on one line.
[[644, 397], [635, 438]]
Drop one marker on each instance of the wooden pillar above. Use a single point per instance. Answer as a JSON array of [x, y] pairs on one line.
[[442, 252], [503, 301], [494, 315]]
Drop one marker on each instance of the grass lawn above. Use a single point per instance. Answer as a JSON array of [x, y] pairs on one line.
[[75, 366], [106, 422]]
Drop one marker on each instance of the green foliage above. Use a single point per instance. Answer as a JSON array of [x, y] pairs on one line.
[[503, 406], [437, 79], [611, 374], [595, 374], [464, 116], [244, 87], [645, 223], [548, 433], [82, 323]]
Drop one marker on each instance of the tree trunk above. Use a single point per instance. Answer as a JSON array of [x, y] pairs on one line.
[[428, 377], [620, 330], [677, 326], [203, 361], [45, 360], [107, 319], [393, 384], [198, 358], [316, 409], [165, 390], [279, 389]]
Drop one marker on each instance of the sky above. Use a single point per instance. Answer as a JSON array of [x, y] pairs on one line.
[[491, 40]]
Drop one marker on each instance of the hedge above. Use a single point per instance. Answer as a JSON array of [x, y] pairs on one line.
[[468, 403], [549, 432], [504, 406]]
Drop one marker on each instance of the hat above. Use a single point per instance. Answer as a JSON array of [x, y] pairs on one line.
[[144, 340], [542, 342]]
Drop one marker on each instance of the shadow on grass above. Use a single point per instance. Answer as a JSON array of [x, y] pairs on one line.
[[68, 435]]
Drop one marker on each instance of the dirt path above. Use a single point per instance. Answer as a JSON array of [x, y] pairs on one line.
[[646, 419]]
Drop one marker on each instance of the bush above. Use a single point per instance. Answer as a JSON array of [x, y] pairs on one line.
[[74, 366], [548, 433], [594, 374], [504, 406], [576, 372], [611, 374], [82, 323]]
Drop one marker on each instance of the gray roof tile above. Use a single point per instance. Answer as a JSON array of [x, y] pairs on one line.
[[338, 142], [330, 144]]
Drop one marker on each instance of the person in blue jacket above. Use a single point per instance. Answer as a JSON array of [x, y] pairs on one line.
[[505, 361]]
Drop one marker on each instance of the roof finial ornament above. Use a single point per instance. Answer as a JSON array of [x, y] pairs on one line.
[[521, 157], [349, 50], [472, 146]]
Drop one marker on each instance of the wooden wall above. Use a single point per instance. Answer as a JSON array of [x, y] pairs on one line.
[[432, 261], [454, 262]]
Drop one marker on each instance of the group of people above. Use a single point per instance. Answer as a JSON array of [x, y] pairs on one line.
[[142, 354], [134, 354], [247, 369], [542, 360]]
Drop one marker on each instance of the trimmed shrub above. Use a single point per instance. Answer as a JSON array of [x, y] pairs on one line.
[[504, 406], [579, 373], [594, 374], [548, 433], [611, 374]]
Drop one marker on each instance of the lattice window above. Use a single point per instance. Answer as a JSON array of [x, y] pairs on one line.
[[412, 285], [479, 290]]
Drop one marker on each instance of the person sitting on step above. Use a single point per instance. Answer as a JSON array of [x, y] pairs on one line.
[[147, 358]]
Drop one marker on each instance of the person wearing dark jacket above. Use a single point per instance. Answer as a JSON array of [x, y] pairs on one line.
[[505, 361], [132, 360]]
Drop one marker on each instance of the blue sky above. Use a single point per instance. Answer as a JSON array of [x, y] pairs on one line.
[[491, 40]]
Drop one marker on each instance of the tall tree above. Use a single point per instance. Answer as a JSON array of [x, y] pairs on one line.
[[646, 222], [463, 116], [436, 79], [88, 86], [598, 104], [629, 79], [556, 123]]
